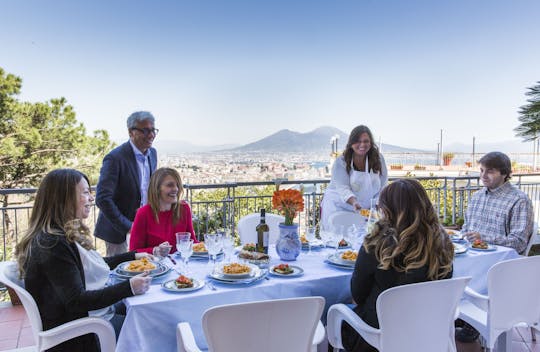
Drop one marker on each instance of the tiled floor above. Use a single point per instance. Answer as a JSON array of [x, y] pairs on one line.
[[15, 333]]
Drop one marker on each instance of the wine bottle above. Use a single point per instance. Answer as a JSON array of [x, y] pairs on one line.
[[262, 234]]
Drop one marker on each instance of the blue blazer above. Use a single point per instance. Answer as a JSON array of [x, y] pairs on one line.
[[118, 194]]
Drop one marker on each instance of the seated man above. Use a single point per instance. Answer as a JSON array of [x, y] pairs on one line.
[[499, 213]]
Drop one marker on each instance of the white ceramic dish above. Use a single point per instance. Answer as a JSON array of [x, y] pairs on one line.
[[239, 275], [171, 286], [297, 271]]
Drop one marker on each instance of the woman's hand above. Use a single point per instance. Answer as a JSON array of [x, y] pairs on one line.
[[144, 255], [162, 250], [357, 206], [140, 283]]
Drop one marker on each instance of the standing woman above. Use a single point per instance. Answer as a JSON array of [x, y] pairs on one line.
[[406, 246], [157, 222], [357, 176], [59, 265]]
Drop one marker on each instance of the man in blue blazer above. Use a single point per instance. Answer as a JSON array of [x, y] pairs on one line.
[[123, 182]]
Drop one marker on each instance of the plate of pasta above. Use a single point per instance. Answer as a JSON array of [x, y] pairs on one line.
[[336, 260], [236, 270], [348, 257], [136, 267], [255, 274]]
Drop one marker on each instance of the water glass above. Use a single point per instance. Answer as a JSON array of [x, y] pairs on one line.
[[214, 245], [228, 247], [310, 237], [181, 236], [186, 250]]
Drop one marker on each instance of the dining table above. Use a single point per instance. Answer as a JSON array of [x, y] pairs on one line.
[[151, 319]]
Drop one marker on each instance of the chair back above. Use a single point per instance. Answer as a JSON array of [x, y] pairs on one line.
[[248, 223], [346, 218], [264, 326], [420, 317], [514, 294], [534, 239], [9, 275]]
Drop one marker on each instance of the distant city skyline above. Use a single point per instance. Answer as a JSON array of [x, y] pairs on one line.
[[232, 72]]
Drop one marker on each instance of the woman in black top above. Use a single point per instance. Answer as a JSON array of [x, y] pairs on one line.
[[57, 260], [407, 245]]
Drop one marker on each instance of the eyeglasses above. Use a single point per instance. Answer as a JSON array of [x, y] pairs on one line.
[[146, 131]]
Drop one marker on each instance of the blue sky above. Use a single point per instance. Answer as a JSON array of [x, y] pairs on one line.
[[225, 71]]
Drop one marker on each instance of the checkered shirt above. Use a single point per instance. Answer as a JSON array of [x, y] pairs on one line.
[[503, 216]]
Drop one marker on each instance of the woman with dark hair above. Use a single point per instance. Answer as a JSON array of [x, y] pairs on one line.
[[59, 265], [407, 245], [157, 222], [357, 176]]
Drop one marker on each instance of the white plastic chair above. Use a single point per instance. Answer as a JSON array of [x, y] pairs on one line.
[[285, 325], [513, 298], [412, 318], [248, 223], [534, 239], [46, 339], [346, 218]]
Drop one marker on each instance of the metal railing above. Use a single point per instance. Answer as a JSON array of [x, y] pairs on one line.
[[222, 205]]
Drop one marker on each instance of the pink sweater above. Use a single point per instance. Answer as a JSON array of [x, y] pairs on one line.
[[146, 233]]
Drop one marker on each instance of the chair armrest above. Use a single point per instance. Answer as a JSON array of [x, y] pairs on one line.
[[318, 337], [340, 312], [184, 338], [479, 300], [101, 327]]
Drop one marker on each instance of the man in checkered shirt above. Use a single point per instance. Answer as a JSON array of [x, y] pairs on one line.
[[499, 213]]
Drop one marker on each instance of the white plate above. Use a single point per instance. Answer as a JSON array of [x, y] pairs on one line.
[[237, 276], [333, 245], [256, 274], [171, 286], [337, 261], [121, 269], [126, 275], [489, 249], [315, 244], [459, 248], [297, 271]]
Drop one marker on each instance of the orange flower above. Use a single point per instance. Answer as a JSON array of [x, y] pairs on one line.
[[288, 202]]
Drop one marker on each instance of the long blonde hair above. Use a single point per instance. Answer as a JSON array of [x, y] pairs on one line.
[[409, 235], [154, 192], [54, 212]]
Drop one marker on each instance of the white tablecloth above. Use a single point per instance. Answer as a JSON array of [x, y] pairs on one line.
[[151, 319]]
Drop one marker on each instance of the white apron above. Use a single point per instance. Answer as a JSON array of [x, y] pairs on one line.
[[364, 185]]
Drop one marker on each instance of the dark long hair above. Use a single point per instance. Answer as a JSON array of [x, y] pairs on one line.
[[54, 212], [374, 158], [409, 235]]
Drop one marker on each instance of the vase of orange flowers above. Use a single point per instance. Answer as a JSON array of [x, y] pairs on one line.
[[288, 202]]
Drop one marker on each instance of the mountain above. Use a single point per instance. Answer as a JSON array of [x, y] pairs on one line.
[[314, 141]]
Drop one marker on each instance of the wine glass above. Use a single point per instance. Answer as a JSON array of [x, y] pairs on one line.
[[310, 237], [186, 250], [353, 237], [326, 233], [337, 236], [214, 244], [373, 216]]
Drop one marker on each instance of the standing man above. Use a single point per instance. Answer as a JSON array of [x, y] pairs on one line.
[[123, 182], [499, 213]]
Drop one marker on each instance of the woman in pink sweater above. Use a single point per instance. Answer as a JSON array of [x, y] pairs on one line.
[[164, 215]]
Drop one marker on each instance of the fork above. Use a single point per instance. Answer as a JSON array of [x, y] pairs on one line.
[[210, 285]]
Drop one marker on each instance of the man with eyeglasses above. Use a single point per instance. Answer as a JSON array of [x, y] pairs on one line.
[[123, 182]]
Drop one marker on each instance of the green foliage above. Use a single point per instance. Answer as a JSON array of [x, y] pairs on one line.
[[38, 137], [529, 115]]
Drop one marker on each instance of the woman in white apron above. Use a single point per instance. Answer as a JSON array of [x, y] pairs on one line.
[[357, 176]]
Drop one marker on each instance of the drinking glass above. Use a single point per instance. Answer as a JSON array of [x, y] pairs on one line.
[[373, 216], [326, 234], [214, 244], [310, 237], [337, 236], [228, 246], [354, 237], [186, 250], [181, 236]]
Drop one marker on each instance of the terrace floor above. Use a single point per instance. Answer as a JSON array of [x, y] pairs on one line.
[[16, 335]]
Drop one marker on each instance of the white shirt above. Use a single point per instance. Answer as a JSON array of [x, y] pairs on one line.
[[96, 275]]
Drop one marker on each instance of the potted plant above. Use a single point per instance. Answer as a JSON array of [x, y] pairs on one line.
[[288, 202], [447, 158]]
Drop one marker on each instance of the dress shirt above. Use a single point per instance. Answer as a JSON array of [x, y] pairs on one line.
[[144, 171], [502, 216]]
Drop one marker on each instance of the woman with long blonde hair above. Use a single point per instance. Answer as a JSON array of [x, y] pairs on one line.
[[64, 274], [157, 222], [407, 245]]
